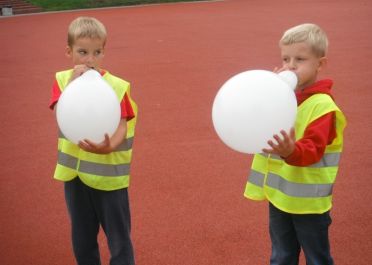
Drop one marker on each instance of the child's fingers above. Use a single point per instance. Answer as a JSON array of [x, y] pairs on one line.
[[278, 139]]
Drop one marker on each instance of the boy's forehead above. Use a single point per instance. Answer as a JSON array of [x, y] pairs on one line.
[[88, 41], [297, 47]]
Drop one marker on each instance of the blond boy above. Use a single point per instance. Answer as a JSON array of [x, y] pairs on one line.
[[96, 175], [297, 173]]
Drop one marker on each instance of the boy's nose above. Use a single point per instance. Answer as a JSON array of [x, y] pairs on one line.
[[292, 65], [90, 58]]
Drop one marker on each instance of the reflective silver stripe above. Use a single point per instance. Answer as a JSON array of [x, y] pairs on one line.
[[104, 169], [328, 160], [93, 168], [67, 160], [256, 178], [125, 145], [298, 189], [290, 188]]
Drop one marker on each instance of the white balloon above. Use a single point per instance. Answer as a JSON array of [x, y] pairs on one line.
[[253, 106], [290, 78], [88, 108]]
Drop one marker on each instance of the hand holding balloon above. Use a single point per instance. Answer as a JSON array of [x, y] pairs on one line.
[[108, 145], [97, 148], [283, 146], [78, 70]]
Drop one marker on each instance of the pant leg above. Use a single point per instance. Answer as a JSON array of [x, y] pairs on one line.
[[114, 215], [285, 246], [84, 223], [312, 233]]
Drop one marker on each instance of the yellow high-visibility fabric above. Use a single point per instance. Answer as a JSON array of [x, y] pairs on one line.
[[103, 172], [269, 166]]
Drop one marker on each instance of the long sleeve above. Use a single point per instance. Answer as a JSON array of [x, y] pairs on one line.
[[310, 148], [56, 93]]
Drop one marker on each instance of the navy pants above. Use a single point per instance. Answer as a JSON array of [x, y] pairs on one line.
[[291, 232], [89, 208]]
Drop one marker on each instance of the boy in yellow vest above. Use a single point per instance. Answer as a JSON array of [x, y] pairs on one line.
[[297, 172], [96, 175]]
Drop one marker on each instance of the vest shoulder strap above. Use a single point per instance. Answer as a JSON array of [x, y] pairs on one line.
[[119, 85], [311, 109], [318, 105], [63, 77]]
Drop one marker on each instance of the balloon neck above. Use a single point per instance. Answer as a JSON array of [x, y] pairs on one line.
[[290, 78], [93, 73]]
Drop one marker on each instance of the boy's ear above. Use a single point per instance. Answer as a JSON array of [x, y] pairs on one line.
[[68, 51], [322, 63]]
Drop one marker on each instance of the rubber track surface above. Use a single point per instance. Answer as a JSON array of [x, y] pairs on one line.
[[187, 187]]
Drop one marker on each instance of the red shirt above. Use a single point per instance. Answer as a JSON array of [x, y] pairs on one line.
[[318, 134], [126, 108]]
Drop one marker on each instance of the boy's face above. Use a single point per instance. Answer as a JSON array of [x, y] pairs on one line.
[[301, 59], [87, 51]]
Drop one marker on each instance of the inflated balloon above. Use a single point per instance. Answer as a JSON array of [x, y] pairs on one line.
[[290, 78], [88, 108], [253, 106]]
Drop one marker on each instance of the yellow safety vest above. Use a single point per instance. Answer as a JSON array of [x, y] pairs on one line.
[[102, 172], [300, 190]]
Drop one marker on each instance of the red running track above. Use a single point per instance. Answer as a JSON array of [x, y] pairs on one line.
[[186, 189]]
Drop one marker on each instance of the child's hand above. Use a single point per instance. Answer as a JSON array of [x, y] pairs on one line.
[[283, 146], [78, 71], [109, 144], [277, 70], [98, 148]]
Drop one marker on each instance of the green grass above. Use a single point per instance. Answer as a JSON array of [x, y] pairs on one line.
[[55, 5]]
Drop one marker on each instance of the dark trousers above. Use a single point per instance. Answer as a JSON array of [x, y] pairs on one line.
[[291, 232], [89, 208]]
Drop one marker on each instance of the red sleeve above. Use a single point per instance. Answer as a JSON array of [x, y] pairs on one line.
[[56, 93], [310, 148], [126, 108]]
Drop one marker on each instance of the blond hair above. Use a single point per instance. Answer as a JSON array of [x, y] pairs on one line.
[[309, 33], [85, 27]]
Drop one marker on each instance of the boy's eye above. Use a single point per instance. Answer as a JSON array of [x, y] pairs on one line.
[[98, 52], [82, 52]]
